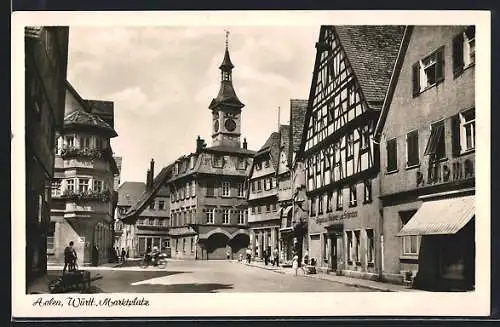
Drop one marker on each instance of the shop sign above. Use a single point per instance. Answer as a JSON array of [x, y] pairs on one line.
[[337, 217], [444, 172]]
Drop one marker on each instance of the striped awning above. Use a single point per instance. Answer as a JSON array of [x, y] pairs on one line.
[[444, 216]]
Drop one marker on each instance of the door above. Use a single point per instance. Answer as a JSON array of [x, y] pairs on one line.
[[333, 252], [149, 244]]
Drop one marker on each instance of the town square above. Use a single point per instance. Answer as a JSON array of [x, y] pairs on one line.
[[332, 158]]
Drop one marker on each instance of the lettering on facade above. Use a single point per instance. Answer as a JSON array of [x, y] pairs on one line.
[[446, 172], [336, 217]]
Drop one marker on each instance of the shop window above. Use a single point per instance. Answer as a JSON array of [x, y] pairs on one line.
[[410, 244], [353, 201], [436, 146], [340, 199], [392, 156], [464, 50], [161, 205], [367, 191], [370, 246], [226, 216], [210, 216], [428, 72], [350, 248], [226, 187], [412, 155]]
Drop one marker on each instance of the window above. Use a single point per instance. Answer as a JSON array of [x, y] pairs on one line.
[[152, 205], [320, 204], [258, 166], [56, 187], [435, 146], [150, 221], [241, 190], [339, 199], [428, 72], [392, 155], [226, 216], [210, 189], [365, 137], [252, 184], [367, 198], [273, 207], [268, 207], [85, 142], [193, 188], [97, 185], [329, 201], [352, 196], [350, 145], [259, 209], [188, 189], [166, 243], [161, 205], [411, 243], [241, 217], [313, 206], [210, 216], [98, 143], [468, 130], [357, 247], [50, 236], [464, 50], [165, 222], [218, 161], [266, 163], [370, 246], [274, 182], [83, 185], [226, 187], [412, 155], [70, 141], [258, 186], [349, 246]]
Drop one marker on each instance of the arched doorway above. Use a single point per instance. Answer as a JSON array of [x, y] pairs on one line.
[[239, 243], [216, 246]]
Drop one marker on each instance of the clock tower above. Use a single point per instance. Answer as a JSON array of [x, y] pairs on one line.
[[226, 108]]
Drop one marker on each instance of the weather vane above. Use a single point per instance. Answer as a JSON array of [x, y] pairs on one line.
[[227, 38]]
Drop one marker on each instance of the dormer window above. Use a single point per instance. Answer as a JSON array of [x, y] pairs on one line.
[[217, 161]]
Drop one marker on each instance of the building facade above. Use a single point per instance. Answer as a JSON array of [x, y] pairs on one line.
[[427, 140], [46, 58], [208, 202], [263, 214], [84, 200], [352, 72]]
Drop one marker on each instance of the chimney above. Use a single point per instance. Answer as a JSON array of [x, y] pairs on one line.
[[148, 178], [200, 144], [245, 143], [152, 169]]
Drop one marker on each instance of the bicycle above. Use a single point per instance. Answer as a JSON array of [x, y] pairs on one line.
[[160, 262]]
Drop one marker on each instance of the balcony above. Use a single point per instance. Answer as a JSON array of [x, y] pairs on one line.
[[89, 196], [89, 153]]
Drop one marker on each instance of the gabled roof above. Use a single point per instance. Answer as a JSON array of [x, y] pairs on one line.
[[271, 147], [392, 84], [145, 198], [371, 51], [272, 140], [130, 192], [298, 108]]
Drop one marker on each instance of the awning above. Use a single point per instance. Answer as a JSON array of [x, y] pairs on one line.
[[433, 143], [444, 216]]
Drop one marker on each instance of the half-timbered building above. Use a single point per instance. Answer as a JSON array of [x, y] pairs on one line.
[[352, 70]]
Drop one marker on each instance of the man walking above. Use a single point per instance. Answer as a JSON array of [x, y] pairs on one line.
[[69, 258], [123, 255], [276, 257]]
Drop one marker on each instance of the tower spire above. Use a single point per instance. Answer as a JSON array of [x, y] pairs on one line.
[[227, 39]]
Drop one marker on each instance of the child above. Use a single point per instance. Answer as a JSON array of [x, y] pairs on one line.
[[295, 264]]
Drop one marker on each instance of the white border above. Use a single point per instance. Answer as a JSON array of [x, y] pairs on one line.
[[260, 304]]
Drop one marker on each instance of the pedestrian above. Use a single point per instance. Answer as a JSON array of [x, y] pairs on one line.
[[69, 258], [265, 257], [95, 255], [295, 264], [123, 255], [249, 255], [276, 257], [306, 258], [227, 254], [240, 257]]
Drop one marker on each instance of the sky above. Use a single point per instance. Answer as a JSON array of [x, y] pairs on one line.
[[162, 79]]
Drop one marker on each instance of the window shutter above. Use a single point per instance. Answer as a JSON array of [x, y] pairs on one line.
[[416, 79], [455, 135], [439, 65], [458, 54]]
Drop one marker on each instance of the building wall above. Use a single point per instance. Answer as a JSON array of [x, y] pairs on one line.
[[46, 66]]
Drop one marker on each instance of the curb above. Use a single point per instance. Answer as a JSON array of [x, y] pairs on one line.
[[318, 276]]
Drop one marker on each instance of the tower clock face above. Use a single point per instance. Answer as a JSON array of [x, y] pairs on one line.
[[216, 126], [230, 125]]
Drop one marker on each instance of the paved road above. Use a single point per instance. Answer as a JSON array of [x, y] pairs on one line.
[[207, 276]]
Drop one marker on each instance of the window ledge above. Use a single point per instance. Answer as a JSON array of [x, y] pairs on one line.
[[412, 166], [391, 172], [409, 257], [466, 152]]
